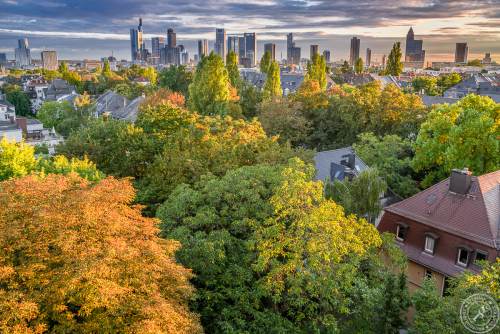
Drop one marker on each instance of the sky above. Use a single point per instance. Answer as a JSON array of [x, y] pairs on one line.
[[97, 28]]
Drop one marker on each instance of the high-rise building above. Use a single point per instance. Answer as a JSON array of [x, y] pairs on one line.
[[157, 43], [136, 43], [414, 52], [49, 60], [251, 47], [3, 59], [292, 51], [202, 48], [23, 53], [326, 55], [368, 59], [313, 51], [271, 48], [354, 52], [220, 46], [461, 53], [241, 50], [487, 58], [171, 38]]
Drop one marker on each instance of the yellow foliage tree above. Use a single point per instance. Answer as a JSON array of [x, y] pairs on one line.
[[75, 257]]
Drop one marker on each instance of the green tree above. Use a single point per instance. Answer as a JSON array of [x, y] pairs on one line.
[[106, 71], [359, 66], [391, 155], [426, 84], [209, 93], [394, 65], [20, 101], [317, 70], [64, 117], [63, 68], [464, 134], [176, 78], [346, 68], [265, 62], [284, 118], [272, 87], [232, 68], [250, 97], [284, 259], [361, 195], [150, 74], [475, 62], [446, 81]]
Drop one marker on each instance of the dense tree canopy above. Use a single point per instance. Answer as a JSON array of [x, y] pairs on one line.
[[358, 66], [64, 117], [76, 257], [394, 65], [176, 78], [265, 62], [232, 68], [272, 87], [464, 134], [317, 70], [284, 259]]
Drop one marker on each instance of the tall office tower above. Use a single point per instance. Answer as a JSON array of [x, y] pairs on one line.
[[49, 60], [3, 59], [157, 43], [23, 53], [233, 43], [136, 42], [487, 58], [414, 50], [171, 38], [220, 46], [368, 59], [271, 48], [202, 48], [241, 50], [292, 51], [251, 47], [354, 52], [326, 55], [314, 51], [461, 53]]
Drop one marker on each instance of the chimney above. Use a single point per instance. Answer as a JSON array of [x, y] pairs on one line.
[[460, 181], [22, 123], [350, 160]]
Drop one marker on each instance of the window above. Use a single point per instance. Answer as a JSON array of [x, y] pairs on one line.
[[428, 273], [481, 256], [401, 232], [429, 244], [463, 257]]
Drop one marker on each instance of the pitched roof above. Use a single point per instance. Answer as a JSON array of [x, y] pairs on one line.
[[323, 162], [475, 216]]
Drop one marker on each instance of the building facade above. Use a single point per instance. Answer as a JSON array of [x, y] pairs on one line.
[[354, 51], [202, 48], [49, 60], [23, 53], [314, 51], [157, 43], [271, 48], [368, 59], [447, 228], [220, 46], [414, 52], [327, 55], [461, 53], [292, 51], [136, 43]]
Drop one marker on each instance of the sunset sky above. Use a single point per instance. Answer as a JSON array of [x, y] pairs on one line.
[[93, 29]]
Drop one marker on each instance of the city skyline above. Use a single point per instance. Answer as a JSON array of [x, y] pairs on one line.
[[95, 29]]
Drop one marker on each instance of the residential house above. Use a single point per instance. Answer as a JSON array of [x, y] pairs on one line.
[[118, 106], [59, 88], [480, 84], [445, 229]]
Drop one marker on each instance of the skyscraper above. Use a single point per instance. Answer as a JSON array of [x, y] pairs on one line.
[[461, 53], [136, 43], [368, 59], [326, 55], [354, 53], [241, 50], [23, 53], [292, 52], [251, 47], [233, 43], [220, 46], [202, 48], [271, 48], [49, 60], [3, 59], [313, 51], [414, 52], [171, 38], [157, 43]]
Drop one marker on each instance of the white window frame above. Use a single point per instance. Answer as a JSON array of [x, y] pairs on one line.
[[398, 228], [429, 250], [460, 250]]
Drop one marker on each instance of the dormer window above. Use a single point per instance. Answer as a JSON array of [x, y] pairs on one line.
[[430, 242], [463, 256], [401, 231]]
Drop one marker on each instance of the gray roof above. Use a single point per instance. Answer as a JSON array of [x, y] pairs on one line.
[[290, 81], [118, 106], [8, 126], [323, 162], [431, 100]]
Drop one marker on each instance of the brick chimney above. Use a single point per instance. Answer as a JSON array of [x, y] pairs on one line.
[[22, 123], [460, 181]]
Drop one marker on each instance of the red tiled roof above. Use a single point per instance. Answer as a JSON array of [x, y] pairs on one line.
[[475, 216]]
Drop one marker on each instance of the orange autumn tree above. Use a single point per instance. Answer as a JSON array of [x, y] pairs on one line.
[[76, 257]]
